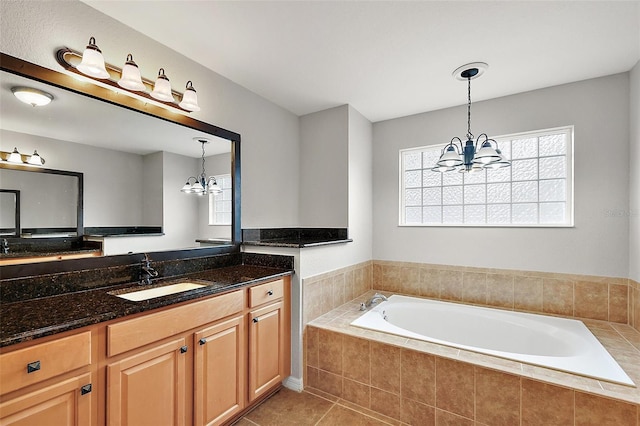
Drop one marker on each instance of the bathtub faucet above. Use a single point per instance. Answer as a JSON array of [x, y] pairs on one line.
[[369, 303]]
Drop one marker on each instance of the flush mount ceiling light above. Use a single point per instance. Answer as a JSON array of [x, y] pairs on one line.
[[91, 64], [31, 96], [130, 77], [15, 157], [202, 184], [470, 156]]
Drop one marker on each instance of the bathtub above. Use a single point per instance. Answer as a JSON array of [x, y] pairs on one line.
[[558, 343]]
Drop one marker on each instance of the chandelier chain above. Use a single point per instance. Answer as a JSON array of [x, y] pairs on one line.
[[469, 134], [203, 175]]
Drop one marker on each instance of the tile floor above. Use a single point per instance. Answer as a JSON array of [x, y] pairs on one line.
[[310, 407]]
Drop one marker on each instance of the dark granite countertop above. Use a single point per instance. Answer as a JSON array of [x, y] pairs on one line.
[[45, 253], [296, 243], [30, 319]]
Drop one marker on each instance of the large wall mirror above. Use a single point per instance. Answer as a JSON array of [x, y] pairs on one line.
[[132, 159]]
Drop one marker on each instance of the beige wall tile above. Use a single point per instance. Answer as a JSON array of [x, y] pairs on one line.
[[527, 293], [591, 300], [557, 296], [330, 383], [497, 398], [385, 367], [349, 284], [410, 280], [415, 413], [356, 359], [357, 393], [312, 377], [619, 303], [391, 278], [500, 290], [312, 346], [338, 290], [385, 403], [444, 418], [430, 282], [455, 387], [330, 351], [418, 376], [474, 287], [377, 276], [594, 410], [451, 285], [547, 405]]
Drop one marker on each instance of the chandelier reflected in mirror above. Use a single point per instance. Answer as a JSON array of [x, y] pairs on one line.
[[202, 184], [470, 156]]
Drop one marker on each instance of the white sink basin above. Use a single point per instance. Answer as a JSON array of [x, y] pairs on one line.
[[166, 290]]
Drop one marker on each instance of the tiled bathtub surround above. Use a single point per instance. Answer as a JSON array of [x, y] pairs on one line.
[[426, 384], [581, 296], [634, 293], [327, 291]]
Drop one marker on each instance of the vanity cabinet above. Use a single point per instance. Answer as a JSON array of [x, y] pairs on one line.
[[268, 331], [48, 383]]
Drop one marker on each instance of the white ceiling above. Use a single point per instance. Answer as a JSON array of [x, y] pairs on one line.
[[389, 58]]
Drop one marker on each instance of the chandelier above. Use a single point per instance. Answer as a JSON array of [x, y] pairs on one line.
[[470, 156], [202, 184]]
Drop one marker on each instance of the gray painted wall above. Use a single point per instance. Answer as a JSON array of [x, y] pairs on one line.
[[634, 181], [33, 30], [599, 242]]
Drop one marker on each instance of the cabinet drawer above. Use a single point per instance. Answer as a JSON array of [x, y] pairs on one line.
[[36, 363], [267, 292], [137, 332]]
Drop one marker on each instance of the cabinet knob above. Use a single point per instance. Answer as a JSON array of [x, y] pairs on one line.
[[255, 320], [184, 349], [33, 366], [85, 389], [202, 341], [270, 293]]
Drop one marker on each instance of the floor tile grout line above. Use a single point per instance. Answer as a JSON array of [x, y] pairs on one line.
[[325, 414]]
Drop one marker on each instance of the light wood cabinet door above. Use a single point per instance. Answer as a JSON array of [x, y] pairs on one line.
[[220, 372], [148, 388], [67, 403], [266, 347]]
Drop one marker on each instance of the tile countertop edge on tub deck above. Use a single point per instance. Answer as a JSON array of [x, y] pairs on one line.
[[339, 320], [30, 319]]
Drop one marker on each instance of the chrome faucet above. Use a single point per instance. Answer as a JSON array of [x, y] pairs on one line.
[[5, 246], [369, 303], [147, 272]]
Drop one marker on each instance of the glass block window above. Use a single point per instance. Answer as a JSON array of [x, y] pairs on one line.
[[220, 205], [535, 191]]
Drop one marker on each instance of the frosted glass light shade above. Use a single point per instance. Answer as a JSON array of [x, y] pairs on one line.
[[450, 158], [197, 188], [162, 88], [130, 77], [213, 187], [190, 98], [15, 157], [486, 154], [31, 96], [35, 159], [92, 61], [186, 188]]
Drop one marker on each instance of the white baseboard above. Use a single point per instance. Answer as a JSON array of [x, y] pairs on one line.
[[293, 383]]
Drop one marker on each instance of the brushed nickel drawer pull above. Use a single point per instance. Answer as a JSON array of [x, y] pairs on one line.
[[255, 320], [202, 341], [270, 293], [33, 367], [183, 349]]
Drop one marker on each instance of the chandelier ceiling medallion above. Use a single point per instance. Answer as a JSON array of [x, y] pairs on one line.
[[470, 156]]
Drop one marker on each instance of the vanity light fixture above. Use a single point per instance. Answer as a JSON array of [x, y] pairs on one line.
[[32, 96], [162, 88], [130, 77], [16, 157], [92, 61], [470, 156], [202, 184], [190, 98], [91, 64]]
